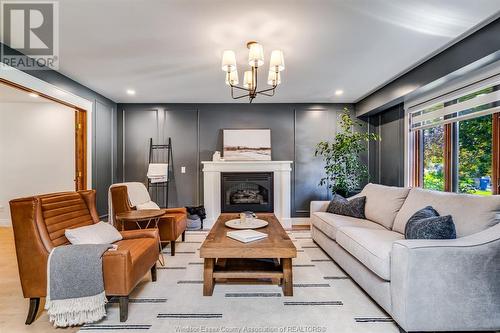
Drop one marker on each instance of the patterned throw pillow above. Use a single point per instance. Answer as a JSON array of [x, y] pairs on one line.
[[427, 224], [342, 206], [423, 214]]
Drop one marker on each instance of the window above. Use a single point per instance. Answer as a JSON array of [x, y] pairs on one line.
[[433, 158], [475, 156], [456, 142]]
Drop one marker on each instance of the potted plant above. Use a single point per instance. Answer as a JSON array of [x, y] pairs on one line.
[[345, 172]]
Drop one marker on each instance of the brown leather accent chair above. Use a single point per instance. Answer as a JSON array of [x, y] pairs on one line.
[[39, 223], [171, 225]]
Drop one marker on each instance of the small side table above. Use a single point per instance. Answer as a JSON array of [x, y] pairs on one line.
[[150, 216]]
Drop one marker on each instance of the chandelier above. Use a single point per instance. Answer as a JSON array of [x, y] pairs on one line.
[[255, 60]]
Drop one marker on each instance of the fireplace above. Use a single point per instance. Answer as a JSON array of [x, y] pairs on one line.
[[241, 191]]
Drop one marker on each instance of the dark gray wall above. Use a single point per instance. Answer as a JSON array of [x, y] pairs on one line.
[[386, 157], [478, 45], [196, 133], [103, 148], [104, 152]]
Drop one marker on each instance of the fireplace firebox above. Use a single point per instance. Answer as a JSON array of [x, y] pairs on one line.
[[241, 191]]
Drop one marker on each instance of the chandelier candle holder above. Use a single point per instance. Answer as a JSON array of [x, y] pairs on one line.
[[255, 60]]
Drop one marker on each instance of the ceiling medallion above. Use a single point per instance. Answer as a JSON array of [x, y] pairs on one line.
[[255, 60]]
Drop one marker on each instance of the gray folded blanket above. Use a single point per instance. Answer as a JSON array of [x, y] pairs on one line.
[[75, 286]]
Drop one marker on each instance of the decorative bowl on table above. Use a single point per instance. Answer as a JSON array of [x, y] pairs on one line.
[[247, 220]]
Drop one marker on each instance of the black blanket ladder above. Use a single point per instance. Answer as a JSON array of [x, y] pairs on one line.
[[160, 154]]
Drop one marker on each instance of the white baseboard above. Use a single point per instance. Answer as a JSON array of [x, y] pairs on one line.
[[286, 222], [208, 223], [301, 221], [5, 223]]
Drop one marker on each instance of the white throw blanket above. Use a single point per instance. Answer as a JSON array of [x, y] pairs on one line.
[[138, 197], [158, 172]]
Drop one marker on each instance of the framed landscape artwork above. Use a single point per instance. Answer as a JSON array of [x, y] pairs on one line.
[[246, 144]]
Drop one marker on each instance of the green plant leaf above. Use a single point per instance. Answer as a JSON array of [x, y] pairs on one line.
[[343, 167]]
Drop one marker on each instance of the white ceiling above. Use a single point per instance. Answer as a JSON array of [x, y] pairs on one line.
[[169, 50]]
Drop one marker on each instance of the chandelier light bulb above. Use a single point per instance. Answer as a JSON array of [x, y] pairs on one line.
[[255, 55], [232, 78], [274, 78], [248, 80], [228, 61], [277, 61]]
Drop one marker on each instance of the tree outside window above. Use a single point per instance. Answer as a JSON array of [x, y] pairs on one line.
[[433, 158], [475, 155]]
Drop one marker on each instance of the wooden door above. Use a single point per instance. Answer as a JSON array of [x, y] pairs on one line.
[[80, 150]]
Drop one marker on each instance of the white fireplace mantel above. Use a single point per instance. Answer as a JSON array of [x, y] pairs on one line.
[[212, 186]]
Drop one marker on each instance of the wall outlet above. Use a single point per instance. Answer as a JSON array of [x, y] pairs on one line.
[[183, 169], [1, 208]]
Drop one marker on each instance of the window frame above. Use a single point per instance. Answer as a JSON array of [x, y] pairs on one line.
[[496, 153], [450, 151]]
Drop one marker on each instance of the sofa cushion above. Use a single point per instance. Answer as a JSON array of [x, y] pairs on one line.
[[383, 203], [139, 248], [470, 213], [371, 247], [354, 207], [329, 223], [435, 227], [126, 266]]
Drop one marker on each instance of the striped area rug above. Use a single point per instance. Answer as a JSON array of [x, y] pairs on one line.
[[325, 299]]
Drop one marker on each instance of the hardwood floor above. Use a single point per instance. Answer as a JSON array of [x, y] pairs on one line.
[[13, 306], [301, 227]]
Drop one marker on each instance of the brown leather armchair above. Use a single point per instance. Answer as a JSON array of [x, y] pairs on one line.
[[171, 225], [39, 223]]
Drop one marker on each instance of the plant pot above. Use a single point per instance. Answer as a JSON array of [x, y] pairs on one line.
[[342, 193], [347, 194]]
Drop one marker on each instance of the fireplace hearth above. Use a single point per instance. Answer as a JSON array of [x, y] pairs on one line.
[[241, 191]]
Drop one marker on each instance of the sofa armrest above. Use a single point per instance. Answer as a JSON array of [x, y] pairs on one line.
[[318, 206], [117, 272], [447, 285], [140, 233]]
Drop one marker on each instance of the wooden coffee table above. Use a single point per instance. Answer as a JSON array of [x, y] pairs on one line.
[[269, 258]]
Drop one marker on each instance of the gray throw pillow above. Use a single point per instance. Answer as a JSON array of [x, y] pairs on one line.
[[422, 214], [427, 224], [342, 206]]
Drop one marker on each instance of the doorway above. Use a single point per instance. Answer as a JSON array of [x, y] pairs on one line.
[[43, 145]]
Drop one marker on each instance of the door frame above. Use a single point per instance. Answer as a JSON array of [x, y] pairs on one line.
[[80, 150], [83, 117]]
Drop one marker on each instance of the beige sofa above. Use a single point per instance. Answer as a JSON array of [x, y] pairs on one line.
[[425, 285]]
